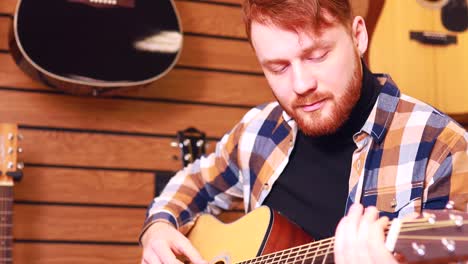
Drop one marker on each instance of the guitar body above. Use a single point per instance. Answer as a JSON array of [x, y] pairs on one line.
[[260, 232], [435, 73], [92, 47]]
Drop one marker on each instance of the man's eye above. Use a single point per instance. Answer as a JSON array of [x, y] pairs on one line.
[[278, 69], [318, 57]]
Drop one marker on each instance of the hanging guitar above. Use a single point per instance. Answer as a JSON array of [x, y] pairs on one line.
[[264, 236], [10, 171], [94, 47], [423, 45]]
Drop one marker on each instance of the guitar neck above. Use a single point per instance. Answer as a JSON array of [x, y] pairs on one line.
[[6, 224], [316, 252]]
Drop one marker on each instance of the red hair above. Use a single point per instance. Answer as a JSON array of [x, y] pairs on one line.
[[297, 15]]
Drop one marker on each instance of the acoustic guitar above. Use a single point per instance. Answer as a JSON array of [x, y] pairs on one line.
[[94, 47], [10, 170], [423, 44], [264, 236]]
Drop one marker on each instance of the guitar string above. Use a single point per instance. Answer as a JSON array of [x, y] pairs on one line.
[[330, 242], [428, 226]]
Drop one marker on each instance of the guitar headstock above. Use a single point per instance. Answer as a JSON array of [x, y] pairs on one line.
[[438, 236], [10, 168], [192, 144]]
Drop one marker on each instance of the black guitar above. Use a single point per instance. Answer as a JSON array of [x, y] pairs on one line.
[[93, 47]]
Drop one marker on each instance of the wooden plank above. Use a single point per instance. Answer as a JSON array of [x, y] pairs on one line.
[[44, 184], [218, 54], [179, 84], [46, 253], [77, 223], [5, 23], [97, 150], [81, 223], [211, 19], [8, 6], [114, 114]]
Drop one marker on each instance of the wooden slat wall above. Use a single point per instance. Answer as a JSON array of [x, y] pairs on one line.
[[92, 163]]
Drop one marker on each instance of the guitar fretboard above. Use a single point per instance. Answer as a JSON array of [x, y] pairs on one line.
[[6, 224], [316, 252]]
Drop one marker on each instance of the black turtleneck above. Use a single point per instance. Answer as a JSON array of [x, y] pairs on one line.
[[313, 189]]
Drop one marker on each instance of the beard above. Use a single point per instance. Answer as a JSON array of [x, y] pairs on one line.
[[318, 123]]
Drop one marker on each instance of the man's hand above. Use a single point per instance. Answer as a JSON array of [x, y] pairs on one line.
[[360, 237], [162, 242]]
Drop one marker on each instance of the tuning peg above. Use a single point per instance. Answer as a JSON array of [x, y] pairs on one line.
[[188, 157], [174, 144], [186, 142], [20, 166], [431, 218], [10, 136], [20, 150], [200, 142], [449, 244], [450, 205], [457, 219], [10, 165], [419, 249], [10, 151], [20, 137]]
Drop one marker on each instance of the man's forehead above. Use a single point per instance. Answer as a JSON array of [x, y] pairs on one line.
[[304, 36]]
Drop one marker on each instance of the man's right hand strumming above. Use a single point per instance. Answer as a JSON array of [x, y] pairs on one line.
[[162, 242]]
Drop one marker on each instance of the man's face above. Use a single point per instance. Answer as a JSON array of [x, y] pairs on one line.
[[315, 77]]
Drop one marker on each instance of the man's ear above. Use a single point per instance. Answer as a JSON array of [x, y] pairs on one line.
[[359, 34]]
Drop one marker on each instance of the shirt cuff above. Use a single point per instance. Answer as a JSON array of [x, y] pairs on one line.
[[158, 217]]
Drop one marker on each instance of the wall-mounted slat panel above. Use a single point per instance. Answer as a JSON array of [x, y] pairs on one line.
[[96, 150], [45, 253], [116, 115], [77, 223], [179, 84], [44, 184]]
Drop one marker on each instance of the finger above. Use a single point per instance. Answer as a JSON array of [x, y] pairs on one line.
[[164, 252], [347, 234], [367, 220], [186, 248], [354, 218], [378, 251], [150, 257], [340, 241]]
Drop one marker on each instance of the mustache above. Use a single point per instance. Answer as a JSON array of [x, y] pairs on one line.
[[310, 99]]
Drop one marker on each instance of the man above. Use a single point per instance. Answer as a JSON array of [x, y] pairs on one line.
[[337, 137]]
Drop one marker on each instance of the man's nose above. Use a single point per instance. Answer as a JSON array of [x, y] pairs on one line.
[[303, 80]]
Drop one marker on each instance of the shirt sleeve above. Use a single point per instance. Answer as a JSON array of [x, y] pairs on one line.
[[210, 184], [448, 170]]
